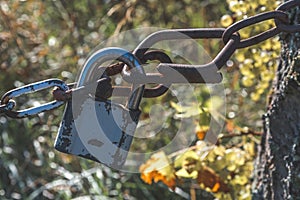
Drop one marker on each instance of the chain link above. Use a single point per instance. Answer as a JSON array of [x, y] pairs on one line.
[[169, 72], [277, 15], [7, 104]]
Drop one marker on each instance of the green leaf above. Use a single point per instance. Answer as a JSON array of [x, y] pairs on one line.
[[181, 158]]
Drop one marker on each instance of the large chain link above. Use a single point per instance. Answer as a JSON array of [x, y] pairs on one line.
[[7, 104], [207, 73]]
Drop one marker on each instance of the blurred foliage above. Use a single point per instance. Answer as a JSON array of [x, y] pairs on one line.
[[226, 170], [47, 39], [258, 63]]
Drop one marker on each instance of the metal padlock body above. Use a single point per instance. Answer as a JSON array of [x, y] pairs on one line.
[[100, 130]]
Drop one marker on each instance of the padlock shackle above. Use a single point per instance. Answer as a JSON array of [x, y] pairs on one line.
[[110, 54]]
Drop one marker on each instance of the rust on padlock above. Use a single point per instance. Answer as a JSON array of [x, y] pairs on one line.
[[80, 131], [96, 128]]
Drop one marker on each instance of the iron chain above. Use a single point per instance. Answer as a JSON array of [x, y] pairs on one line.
[[167, 71]]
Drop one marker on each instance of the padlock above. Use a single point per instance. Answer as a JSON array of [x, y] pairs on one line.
[[101, 130]]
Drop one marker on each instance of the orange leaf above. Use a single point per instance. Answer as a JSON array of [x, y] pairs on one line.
[[158, 168], [230, 126], [216, 187], [201, 132], [43, 52]]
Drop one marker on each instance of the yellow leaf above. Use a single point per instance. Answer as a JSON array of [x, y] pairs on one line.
[[180, 159], [176, 106], [214, 103], [183, 173], [186, 111], [158, 168], [240, 180], [250, 148]]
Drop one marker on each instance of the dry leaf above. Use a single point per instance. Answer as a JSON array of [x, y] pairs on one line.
[[210, 179], [158, 168]]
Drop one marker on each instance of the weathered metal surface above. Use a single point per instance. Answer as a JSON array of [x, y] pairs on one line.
[[100, 130], [34, 87]]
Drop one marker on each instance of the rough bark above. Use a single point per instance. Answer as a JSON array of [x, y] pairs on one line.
[[277, 174]]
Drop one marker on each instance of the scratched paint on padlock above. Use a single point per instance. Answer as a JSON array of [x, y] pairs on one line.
[[66, 140], [100, 131], [106, 130]]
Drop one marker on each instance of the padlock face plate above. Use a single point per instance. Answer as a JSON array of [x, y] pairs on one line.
[[98, 130]]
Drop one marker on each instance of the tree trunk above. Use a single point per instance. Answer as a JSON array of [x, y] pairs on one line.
[[277, 174]]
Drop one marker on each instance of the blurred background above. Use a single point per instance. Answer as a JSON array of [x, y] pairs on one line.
[[52, 39]]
